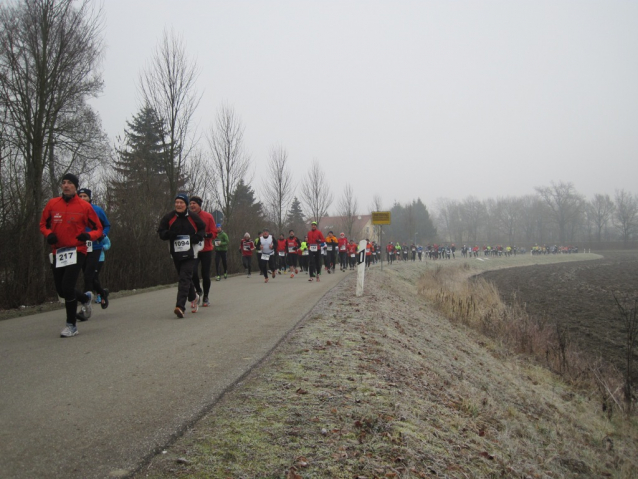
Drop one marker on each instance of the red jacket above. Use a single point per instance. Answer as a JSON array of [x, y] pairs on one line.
[[343, 243], [247, 247], [352, 248], [315, 237], [68, 219], [209, 221], [281, 246], [292, 244]]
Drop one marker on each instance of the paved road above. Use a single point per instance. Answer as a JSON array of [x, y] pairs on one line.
[[97, 404]]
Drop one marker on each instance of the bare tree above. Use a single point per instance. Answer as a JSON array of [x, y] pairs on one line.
[[600, 210], [229, 158], [448, 218], [315, 193], [347, 210], [168, 86], [626, 214], [507, 211], [473, 214], [278, 187], [50, 51], [565, 205]]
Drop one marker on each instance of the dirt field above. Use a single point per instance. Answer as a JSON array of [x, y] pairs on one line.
[[578, 295]]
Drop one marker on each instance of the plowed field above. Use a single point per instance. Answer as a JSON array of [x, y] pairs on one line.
[[578, 295]]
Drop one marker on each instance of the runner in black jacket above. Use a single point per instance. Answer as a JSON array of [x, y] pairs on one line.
[[185, 231]]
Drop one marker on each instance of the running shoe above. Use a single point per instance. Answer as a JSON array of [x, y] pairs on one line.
[[178, 312], [296, 271], [206, 302], [292, 275], [80, 317], [199, 293], [105, 300], [98, 300], [225, 275], [70, 331], [195, 304], [219, 278], [274, 273], [311, 279], [318, 279], [266, 280], [86, 307]]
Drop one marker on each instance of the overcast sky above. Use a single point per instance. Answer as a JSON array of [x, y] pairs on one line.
[[405, 99]]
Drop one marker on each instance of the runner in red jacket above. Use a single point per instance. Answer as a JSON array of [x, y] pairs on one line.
[[343, 251], [292, 248], [247, 247], [205, 255], [352, 253], [63, 223], [315, 242], [281, 253]]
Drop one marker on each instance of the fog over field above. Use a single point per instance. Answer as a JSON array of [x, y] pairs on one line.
[[403, 99]]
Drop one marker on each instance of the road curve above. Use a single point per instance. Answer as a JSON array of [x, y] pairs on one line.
[[98, 404]]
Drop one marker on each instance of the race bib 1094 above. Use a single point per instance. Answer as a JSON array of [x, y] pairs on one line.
[[182, 244]]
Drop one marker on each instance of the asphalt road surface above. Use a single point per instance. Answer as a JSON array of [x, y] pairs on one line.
[[100, 403]]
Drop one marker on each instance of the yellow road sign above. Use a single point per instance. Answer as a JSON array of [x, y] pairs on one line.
[[380, 217]]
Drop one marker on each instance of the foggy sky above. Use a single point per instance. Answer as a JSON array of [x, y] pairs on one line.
[[405, 99]]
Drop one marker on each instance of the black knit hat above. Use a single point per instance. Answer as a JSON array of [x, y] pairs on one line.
[[72, 178], [85, 191], [183, 197], [197, 200]]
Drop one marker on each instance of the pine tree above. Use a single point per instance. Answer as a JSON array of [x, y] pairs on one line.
[[295, 218], [248, 213], [140, 163], [138, 197]]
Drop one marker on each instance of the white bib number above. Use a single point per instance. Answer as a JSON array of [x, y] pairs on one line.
[[282, 253], [291, 250], [89, 246], [66, 257], [304, 252], [352, 255], [342, 248], [218, 242], [329, 248], [313, 247], [182, 244], [265, 256]]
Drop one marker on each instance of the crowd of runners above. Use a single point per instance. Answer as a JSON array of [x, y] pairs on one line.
[[77, 231]]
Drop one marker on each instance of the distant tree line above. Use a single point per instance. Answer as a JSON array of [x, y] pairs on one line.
[[557, 214]]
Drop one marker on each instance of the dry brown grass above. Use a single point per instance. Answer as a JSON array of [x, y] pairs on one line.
[[385, 387], [476, 303]]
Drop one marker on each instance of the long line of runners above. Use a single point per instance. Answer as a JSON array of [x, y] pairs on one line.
[[77, 231]]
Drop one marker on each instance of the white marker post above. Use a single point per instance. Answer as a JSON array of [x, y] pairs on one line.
[[361, 269]]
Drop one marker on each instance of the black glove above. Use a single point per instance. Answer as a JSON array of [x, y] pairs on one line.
[[209, 235], [83, 237], [195, 239], [52, 238]]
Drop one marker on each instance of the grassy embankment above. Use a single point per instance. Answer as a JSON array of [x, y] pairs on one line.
[[386, 386]]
